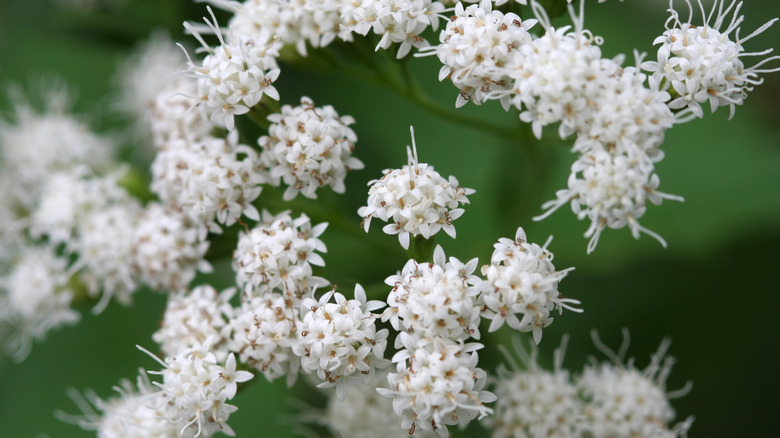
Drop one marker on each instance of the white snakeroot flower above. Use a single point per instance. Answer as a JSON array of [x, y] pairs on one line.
[[705, 62], [438, 385], [557, 72], [214, 179], [522, 281], [169, 248], [192, 317], [235, 75], [308, 147], [67, 197], [37, 144], [396, 21], [339, 341], [435, 300], [366, 414], [195, 390], [264, 331], [477, 47], [415, 199], [136, 412], [622, 400], [612, 191], [35, 298], [534, 402], [104, 244], [277, 255], [171, 115]]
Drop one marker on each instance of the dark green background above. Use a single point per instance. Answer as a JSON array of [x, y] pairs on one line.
[[713, 290]]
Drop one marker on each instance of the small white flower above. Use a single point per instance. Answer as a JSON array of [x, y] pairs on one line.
[[195, 390], [704, 63], [433, 300], [35, 298], [169, 248], [235, 75], [415, 199], [307, 148], [612, 191], [339, 341], [523, 282], [264, 331], [192, 317], [438, 385], [622, 400], [277, 255], [477, 49], [534, 402]]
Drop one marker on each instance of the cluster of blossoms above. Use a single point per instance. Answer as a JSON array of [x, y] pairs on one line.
[[416, 199], [608, 399], [69, 228], [307, 148]]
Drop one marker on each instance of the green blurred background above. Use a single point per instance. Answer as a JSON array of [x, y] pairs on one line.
[[712, 291]]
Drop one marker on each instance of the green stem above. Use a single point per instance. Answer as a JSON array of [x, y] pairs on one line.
[[421, 249]]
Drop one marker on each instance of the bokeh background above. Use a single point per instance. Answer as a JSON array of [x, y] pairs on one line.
[[713, 291]]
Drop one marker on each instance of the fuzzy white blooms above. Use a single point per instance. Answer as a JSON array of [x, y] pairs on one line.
[[477, 47], [214, 179], [195, 390], [704, 63], [169, 248], [396, 21], [264, 331], [435, 300], [35, 298], [235, 75], [366, 414], [415, 199], [308, 147], [535, 403], [339, 341], [136, 412], [277, 255], [623, 400], [438, 385], [36, 144], [523, 286], [611, 191], [192, 317]]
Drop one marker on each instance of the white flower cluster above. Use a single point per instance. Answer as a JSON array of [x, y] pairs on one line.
[[522, 281], [137, 412], [35, 297], [605, 400], [415, 199], [535, 402], [277, 254], [702, 63], [308, 147], [621, 400], [435, 300], [396, 21], [234, 76], [435, 308], [438, 385], [476, 48], [169, 248], [214, 179], [365, 414], [339, 341], [192, 317], [195, 389], [295, 23]]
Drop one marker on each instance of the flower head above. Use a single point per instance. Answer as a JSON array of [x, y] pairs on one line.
[[415, 199]]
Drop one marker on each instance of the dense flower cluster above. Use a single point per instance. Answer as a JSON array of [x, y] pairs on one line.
[[308, 147], [415, 199]]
